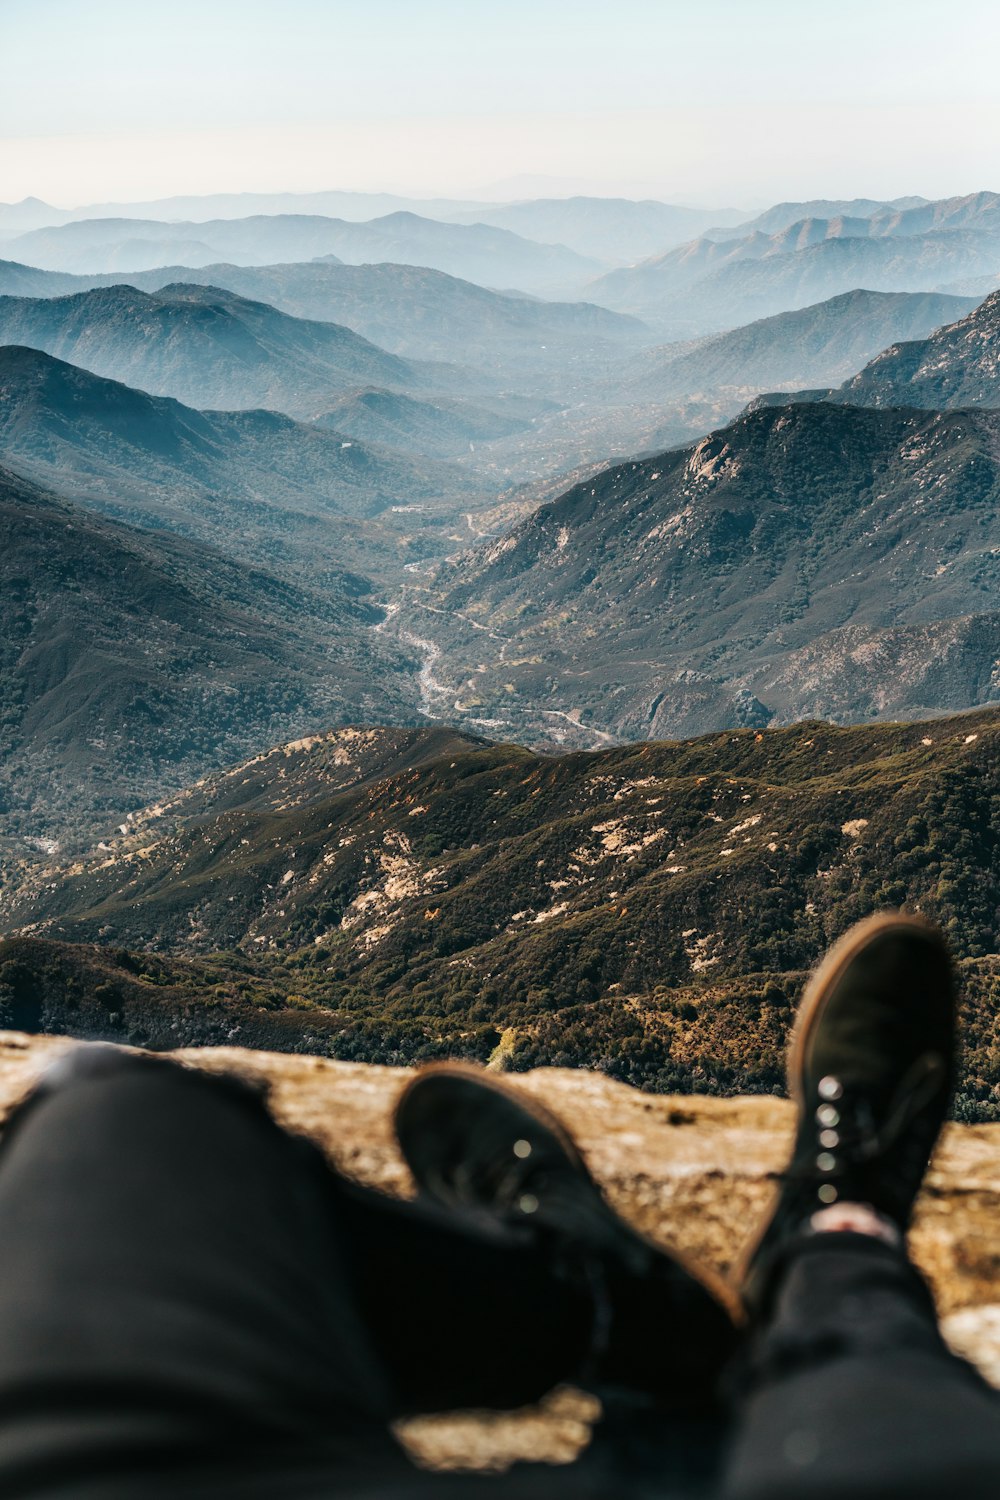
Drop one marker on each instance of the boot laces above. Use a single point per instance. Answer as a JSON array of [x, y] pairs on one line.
[[858, 1141]]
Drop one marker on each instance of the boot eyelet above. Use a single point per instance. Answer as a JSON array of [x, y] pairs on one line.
[[826, 1192], [827, 1115], [522, 1150], [826, 1161], [830, 1087], [829, 1138]]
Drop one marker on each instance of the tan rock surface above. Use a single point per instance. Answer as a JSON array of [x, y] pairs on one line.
[[691, 1171]]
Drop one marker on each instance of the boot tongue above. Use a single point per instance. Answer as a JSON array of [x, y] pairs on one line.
[[927, 1076], [862, 1044]]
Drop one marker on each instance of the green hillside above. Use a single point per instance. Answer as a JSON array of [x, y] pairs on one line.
[[649, 910]]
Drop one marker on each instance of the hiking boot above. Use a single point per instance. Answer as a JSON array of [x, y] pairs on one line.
[[870, 1069], [480, 1147]]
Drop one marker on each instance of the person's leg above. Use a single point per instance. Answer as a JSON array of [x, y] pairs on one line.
[[848, 1389], [485, 1318], [462, 1313], [849, 1393], [179, 1276], [171, 1278]]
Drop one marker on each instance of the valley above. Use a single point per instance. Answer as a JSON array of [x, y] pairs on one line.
[[396, 667]]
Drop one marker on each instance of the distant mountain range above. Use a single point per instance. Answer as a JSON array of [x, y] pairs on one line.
[[782, 215], [806, 561], [478, 252], [709, 284], [413, 312], [134, 660], [731, 273], [613, 229], [33, 213]]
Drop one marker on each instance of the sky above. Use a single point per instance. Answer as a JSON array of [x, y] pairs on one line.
[[709, 102]]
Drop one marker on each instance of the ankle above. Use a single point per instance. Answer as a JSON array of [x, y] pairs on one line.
[[856, 1218]]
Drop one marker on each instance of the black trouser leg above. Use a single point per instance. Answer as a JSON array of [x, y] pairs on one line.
[[463, 1313], [182, 1283], [171, 1283], [850, 1392]]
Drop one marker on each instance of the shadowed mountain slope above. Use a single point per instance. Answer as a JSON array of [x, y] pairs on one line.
[[807, 560], [203, 346], [287, 491], [132, 661]]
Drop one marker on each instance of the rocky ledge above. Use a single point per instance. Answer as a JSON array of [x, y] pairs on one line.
[[690, 1171]]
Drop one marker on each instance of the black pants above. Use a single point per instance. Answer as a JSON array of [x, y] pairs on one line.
[[849, 1392], [193, 1304]]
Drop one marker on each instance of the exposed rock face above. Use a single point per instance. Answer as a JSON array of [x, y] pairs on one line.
[[691, 1172], [826, 561]]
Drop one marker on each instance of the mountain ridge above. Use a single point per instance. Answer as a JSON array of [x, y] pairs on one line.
[[956, 366], [206, 347], [824, 335], [805, 561], [650, 909]]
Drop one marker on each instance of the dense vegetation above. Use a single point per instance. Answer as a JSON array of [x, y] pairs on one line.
[[649, 910]]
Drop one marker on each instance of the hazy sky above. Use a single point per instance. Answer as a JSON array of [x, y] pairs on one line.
[[713, 102]]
